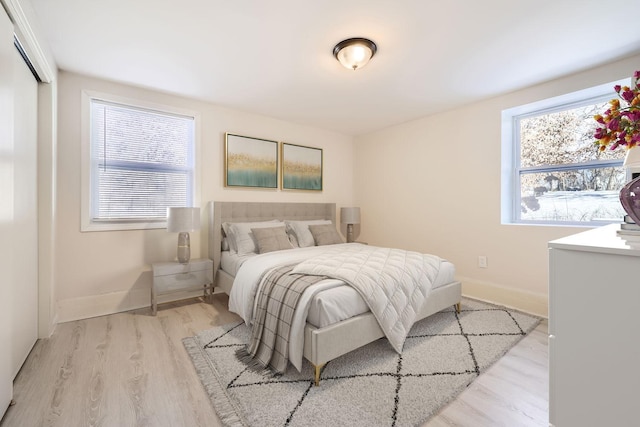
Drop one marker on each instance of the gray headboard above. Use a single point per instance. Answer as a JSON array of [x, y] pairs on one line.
[[219, 212]]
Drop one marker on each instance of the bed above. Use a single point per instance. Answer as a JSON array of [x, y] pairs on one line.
[[326, 335]]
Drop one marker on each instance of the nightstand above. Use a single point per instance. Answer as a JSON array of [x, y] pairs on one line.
[[172, 276]]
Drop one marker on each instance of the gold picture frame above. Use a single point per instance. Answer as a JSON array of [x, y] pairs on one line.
[[302, 167]]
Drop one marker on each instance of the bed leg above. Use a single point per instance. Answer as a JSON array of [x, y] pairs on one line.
[[317, 378], [458, 308]]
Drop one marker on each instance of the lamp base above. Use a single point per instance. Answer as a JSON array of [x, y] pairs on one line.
[[184, 248], [349, 233]]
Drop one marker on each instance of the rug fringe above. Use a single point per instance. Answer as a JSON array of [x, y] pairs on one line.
[[254, 365], [228, 413]]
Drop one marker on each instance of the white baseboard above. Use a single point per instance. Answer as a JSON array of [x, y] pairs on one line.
[[118, 302], [526, 301], [112, 303]]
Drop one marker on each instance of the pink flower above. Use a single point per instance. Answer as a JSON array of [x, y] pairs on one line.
[[628, 95], [620, 123], [600, 133], [633, 116]]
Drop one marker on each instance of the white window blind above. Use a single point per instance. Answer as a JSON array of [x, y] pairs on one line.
[[142, 161]]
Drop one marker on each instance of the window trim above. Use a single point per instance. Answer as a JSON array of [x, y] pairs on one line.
[[86, 223], [510, 150]]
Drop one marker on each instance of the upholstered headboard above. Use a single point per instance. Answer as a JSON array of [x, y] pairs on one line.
[[219, 212]]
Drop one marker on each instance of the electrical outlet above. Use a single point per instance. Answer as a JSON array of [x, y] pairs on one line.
[[482, 261]]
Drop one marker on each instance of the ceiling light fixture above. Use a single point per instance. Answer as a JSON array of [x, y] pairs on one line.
[[354, 53]]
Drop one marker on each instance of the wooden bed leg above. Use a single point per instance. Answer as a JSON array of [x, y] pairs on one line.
[[458, 308], [318, 369]]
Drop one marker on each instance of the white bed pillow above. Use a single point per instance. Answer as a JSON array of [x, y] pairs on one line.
[[243, 238], [300, 229]]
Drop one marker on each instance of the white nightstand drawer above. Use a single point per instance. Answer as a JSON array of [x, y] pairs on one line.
[[179, 281]]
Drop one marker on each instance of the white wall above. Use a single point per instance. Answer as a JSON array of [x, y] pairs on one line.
[[104, 272], [433, 185]]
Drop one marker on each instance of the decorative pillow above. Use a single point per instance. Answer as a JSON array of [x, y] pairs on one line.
[[325, 234], [242, 237], [271, 239], [301, 230], [226, 228]]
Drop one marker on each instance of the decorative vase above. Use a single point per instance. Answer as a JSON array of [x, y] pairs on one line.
[[630, 198]]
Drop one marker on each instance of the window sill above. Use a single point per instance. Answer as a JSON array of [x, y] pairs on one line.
[[594, 224], [121, 226]]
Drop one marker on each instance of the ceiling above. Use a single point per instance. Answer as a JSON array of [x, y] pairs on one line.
[[274, 57]]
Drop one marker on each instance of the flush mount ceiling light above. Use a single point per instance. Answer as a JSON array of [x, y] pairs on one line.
[[354, 53]]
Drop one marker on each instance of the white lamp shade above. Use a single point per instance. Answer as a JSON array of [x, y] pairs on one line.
[[183, 219], [350, 215]]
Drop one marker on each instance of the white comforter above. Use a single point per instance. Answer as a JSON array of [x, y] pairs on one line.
[[249, 277], [393, 282]]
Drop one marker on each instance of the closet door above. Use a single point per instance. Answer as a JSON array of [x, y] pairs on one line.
[[25, 212], [6, 209], [18, 211]]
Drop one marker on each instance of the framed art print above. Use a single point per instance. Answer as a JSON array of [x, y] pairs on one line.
[[250, 162], [301, 167]]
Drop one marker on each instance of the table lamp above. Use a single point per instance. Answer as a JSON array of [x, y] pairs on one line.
[[350, 216], [182, 221]]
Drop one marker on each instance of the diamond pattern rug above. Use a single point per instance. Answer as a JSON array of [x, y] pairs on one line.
[[371, 386]]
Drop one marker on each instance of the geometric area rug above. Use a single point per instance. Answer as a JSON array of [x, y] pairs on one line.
[[370, 386]]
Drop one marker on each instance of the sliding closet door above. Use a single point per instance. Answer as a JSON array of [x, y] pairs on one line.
[[6, 209], [18, 211], [25, 211]]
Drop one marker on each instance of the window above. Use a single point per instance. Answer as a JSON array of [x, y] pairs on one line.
[[552, 171], [140, 161]]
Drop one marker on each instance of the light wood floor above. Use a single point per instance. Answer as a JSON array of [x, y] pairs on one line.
[[130, 369]]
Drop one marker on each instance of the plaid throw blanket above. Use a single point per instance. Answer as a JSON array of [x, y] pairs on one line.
[[277, 301]]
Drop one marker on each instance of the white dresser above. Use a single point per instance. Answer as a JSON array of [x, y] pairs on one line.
[[594, 330]]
